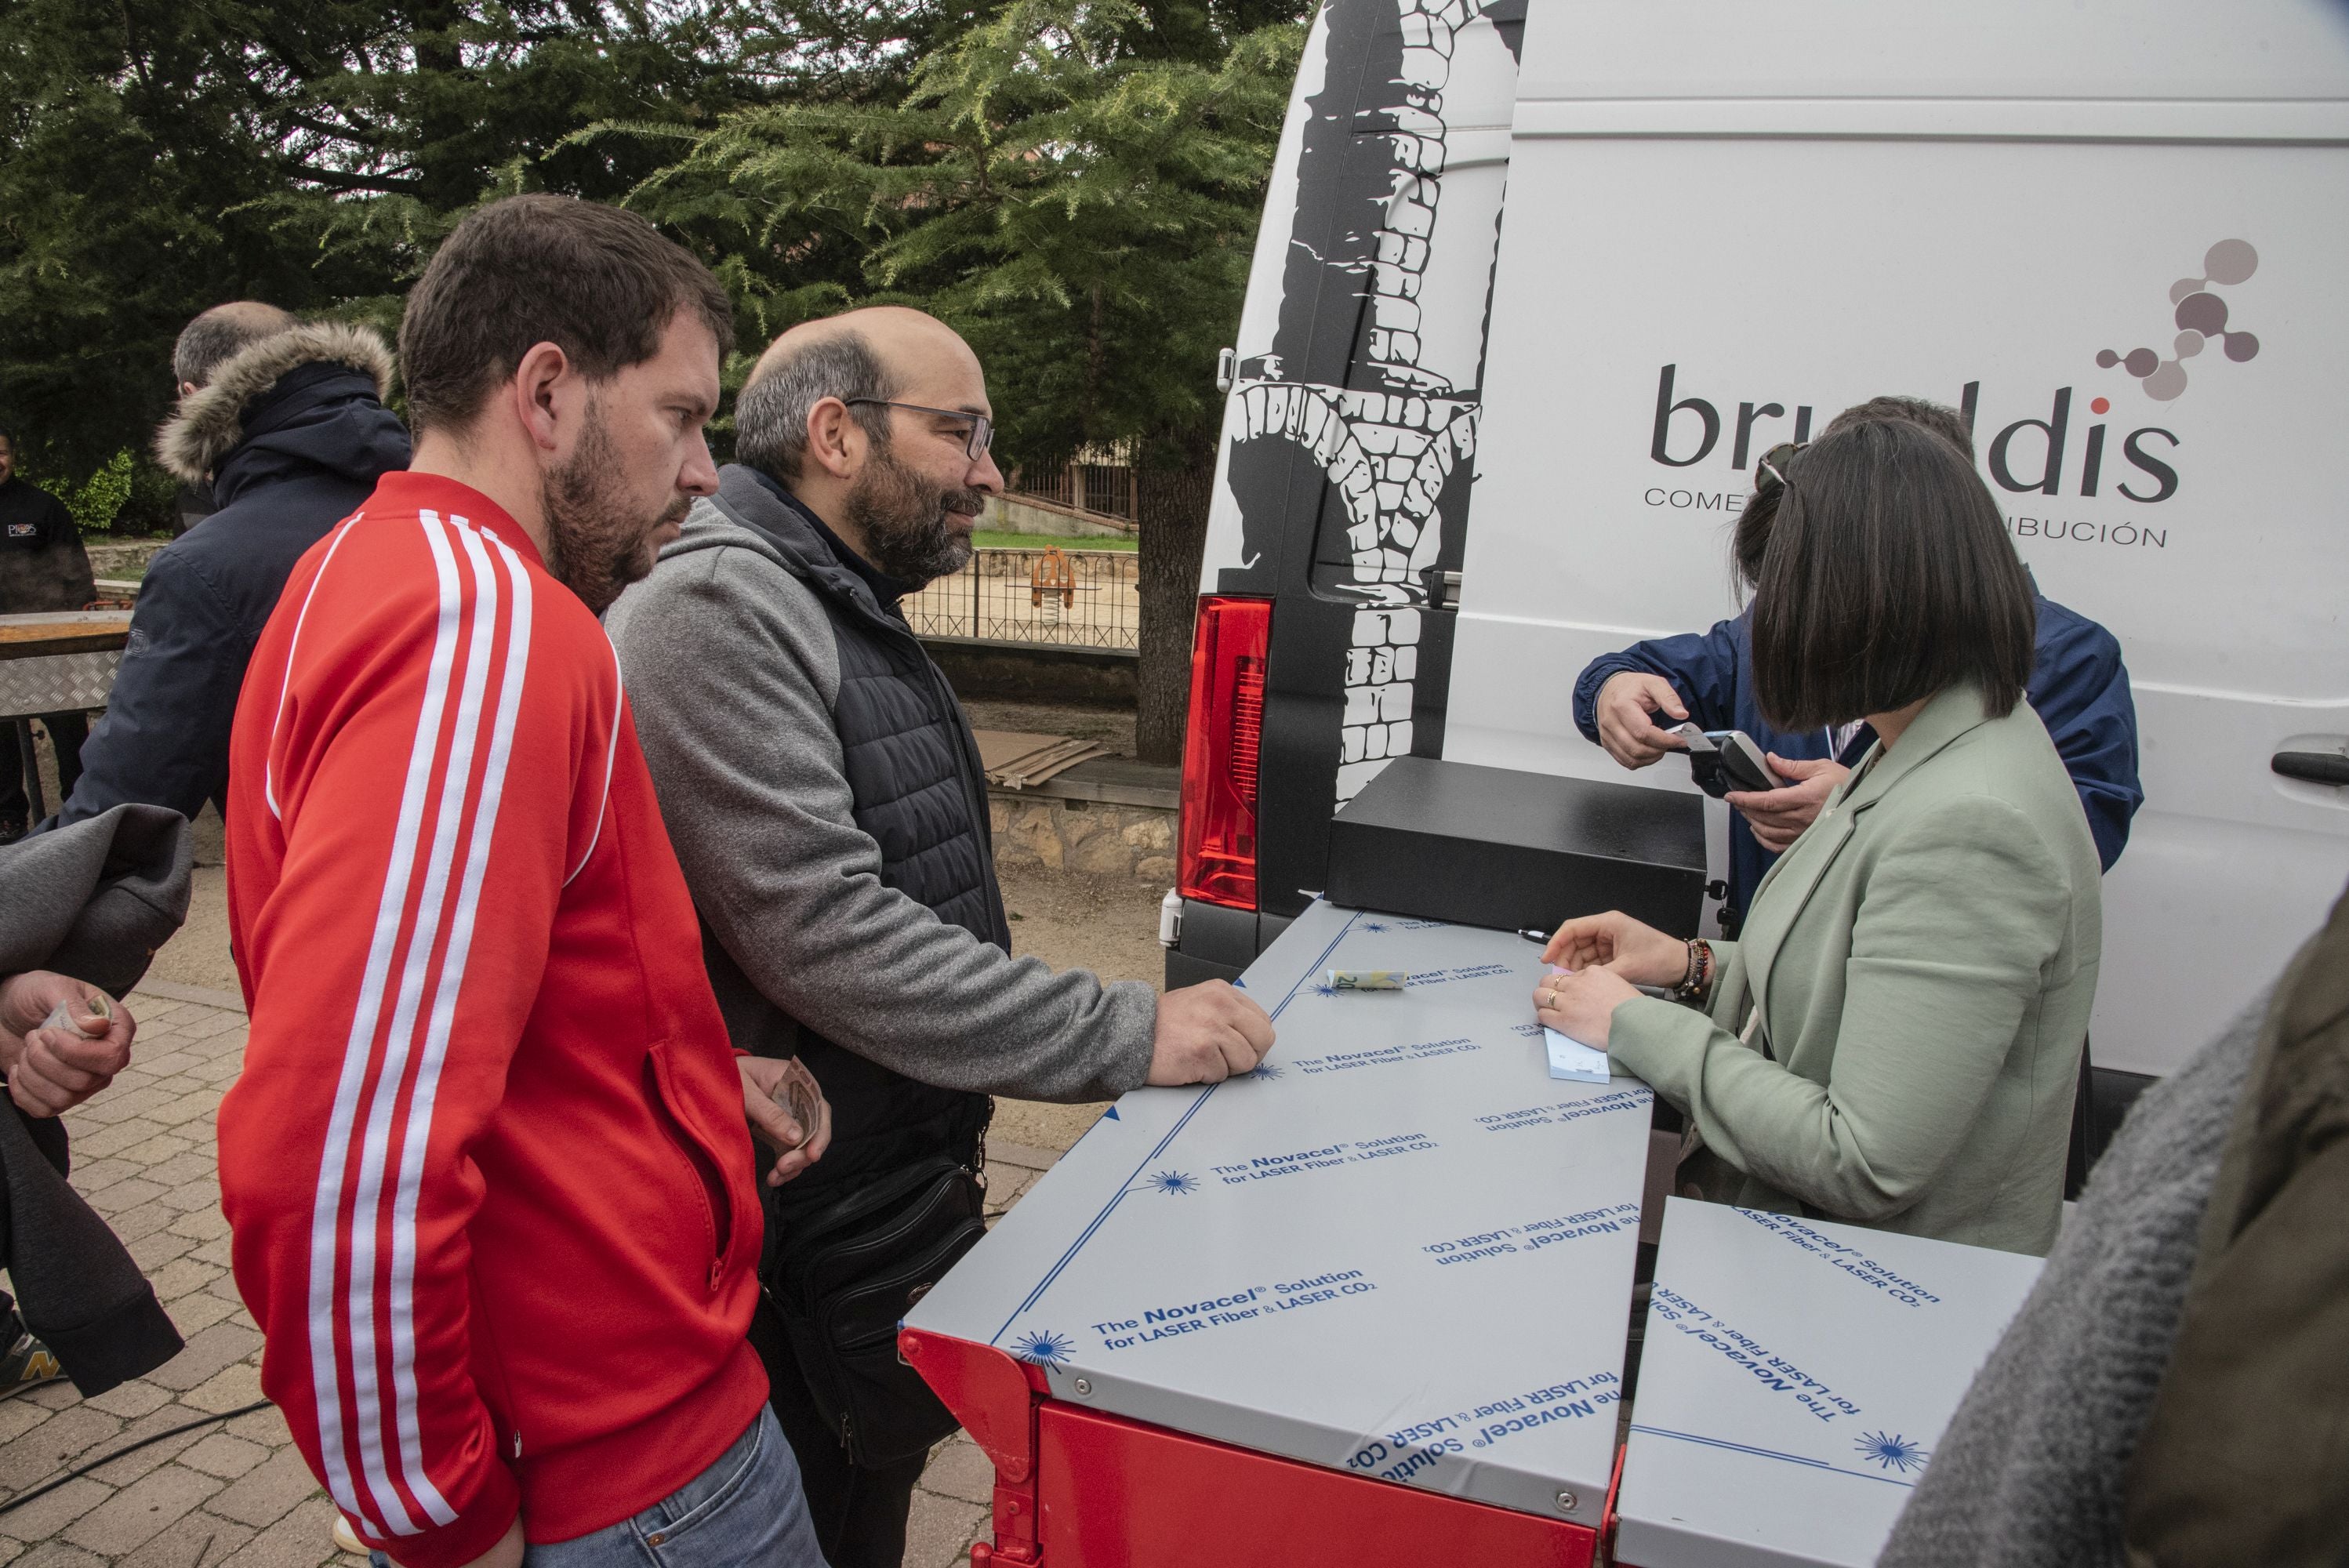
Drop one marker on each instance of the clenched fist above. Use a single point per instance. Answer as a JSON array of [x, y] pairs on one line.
[[50, 1071], [1206, 1034]]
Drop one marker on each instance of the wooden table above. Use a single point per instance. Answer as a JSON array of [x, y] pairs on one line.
[[62, 662]]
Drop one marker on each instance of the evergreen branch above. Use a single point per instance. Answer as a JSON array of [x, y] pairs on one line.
[[351, 183]]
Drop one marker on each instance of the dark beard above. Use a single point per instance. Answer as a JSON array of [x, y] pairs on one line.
[[901, 518], [597, 544]]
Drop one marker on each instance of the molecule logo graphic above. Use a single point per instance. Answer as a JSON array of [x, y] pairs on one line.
[[1173, 1183], [1892, 1450], [1043, 1347], [2200, 315]]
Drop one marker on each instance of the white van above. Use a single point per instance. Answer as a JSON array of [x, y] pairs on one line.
[[1538, 280]]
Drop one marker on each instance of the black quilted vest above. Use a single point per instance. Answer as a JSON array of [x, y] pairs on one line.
[[919, 790]]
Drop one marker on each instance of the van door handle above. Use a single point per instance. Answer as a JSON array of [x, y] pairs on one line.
[[2311, 767]]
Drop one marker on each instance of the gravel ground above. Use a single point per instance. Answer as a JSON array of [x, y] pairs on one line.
[[1112, 727]]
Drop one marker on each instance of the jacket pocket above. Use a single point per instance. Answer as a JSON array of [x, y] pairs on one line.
[[505, 1415], [672, 1109]]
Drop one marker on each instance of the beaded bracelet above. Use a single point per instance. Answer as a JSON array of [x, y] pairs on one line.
[[1697, 980]]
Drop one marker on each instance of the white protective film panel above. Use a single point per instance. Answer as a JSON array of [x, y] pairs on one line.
[[1398, 1249], [1797, 1377]]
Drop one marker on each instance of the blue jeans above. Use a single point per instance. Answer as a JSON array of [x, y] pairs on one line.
[[743, 1511]]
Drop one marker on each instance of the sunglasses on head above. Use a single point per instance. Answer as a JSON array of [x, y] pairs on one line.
[[1770, 468]]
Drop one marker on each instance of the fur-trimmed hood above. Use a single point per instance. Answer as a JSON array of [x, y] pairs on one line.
[[210, 422]]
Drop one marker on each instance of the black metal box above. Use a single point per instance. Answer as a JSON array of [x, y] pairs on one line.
[[1511, 850]]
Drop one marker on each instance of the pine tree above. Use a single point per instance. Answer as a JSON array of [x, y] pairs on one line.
[[1075, 186], [157, 157]]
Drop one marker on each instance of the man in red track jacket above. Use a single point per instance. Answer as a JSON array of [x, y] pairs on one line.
[[487, 1165]]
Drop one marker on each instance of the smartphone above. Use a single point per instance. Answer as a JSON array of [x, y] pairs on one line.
[[1721, 761]]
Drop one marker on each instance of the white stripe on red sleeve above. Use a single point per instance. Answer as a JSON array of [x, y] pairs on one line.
[[513, 670], [292, 644], [350, 1352], [611, 751]]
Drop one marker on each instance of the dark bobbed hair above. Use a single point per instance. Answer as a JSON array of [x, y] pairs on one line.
[[1938, 417], [600, 283], [1751, 540], [1752, 534], [1888, 578]]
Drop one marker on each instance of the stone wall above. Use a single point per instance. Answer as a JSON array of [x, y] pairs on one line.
[[1094, 837], [115, 557], [1015, 514], [1003, 672]]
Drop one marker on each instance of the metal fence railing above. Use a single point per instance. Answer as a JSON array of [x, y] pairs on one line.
[[1106, 490], [1060, 598]]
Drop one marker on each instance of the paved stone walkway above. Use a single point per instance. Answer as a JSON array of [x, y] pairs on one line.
[[238, 1494]]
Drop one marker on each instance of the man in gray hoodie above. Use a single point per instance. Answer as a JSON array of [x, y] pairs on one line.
[[825, 796]]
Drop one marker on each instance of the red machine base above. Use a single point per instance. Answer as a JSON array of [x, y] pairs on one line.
[[1076, 1488]]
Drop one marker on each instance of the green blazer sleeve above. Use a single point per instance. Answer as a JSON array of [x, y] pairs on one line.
[[1962, 911]]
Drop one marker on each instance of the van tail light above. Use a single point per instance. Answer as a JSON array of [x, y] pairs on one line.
[[1217, 863]]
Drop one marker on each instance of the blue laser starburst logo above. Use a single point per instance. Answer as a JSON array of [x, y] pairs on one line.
[[1263, 1070], [1174, 1184], [1376, 925], [1891, 1450], [1043, 1347], [1323, 988]]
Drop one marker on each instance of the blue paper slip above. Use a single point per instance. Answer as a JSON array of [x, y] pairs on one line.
[[1573, 1060]]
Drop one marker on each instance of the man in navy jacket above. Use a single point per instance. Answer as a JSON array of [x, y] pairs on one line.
[[43, 567], [2079, 689], [288, 425]]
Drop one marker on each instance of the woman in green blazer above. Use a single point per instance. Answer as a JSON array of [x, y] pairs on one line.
[[1896, 1039]]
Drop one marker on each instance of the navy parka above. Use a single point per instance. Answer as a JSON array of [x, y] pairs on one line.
[[287, 462]]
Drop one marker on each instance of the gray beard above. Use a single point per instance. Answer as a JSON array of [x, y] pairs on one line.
[[901, 518]]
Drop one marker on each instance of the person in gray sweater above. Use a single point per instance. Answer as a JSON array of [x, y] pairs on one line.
[[825, 798], [2175, 1392], [2031, 1471]]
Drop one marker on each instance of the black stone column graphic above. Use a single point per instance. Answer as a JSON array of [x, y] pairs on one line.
[[1386, 430]]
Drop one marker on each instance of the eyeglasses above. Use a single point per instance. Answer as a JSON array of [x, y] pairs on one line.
[[982, 434], [1770, 468]]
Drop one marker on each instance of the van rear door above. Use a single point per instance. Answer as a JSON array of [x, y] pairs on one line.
[[1349, 442], [2112, 232]]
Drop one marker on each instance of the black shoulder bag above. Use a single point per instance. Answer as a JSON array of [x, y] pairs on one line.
[[845, 1271]]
